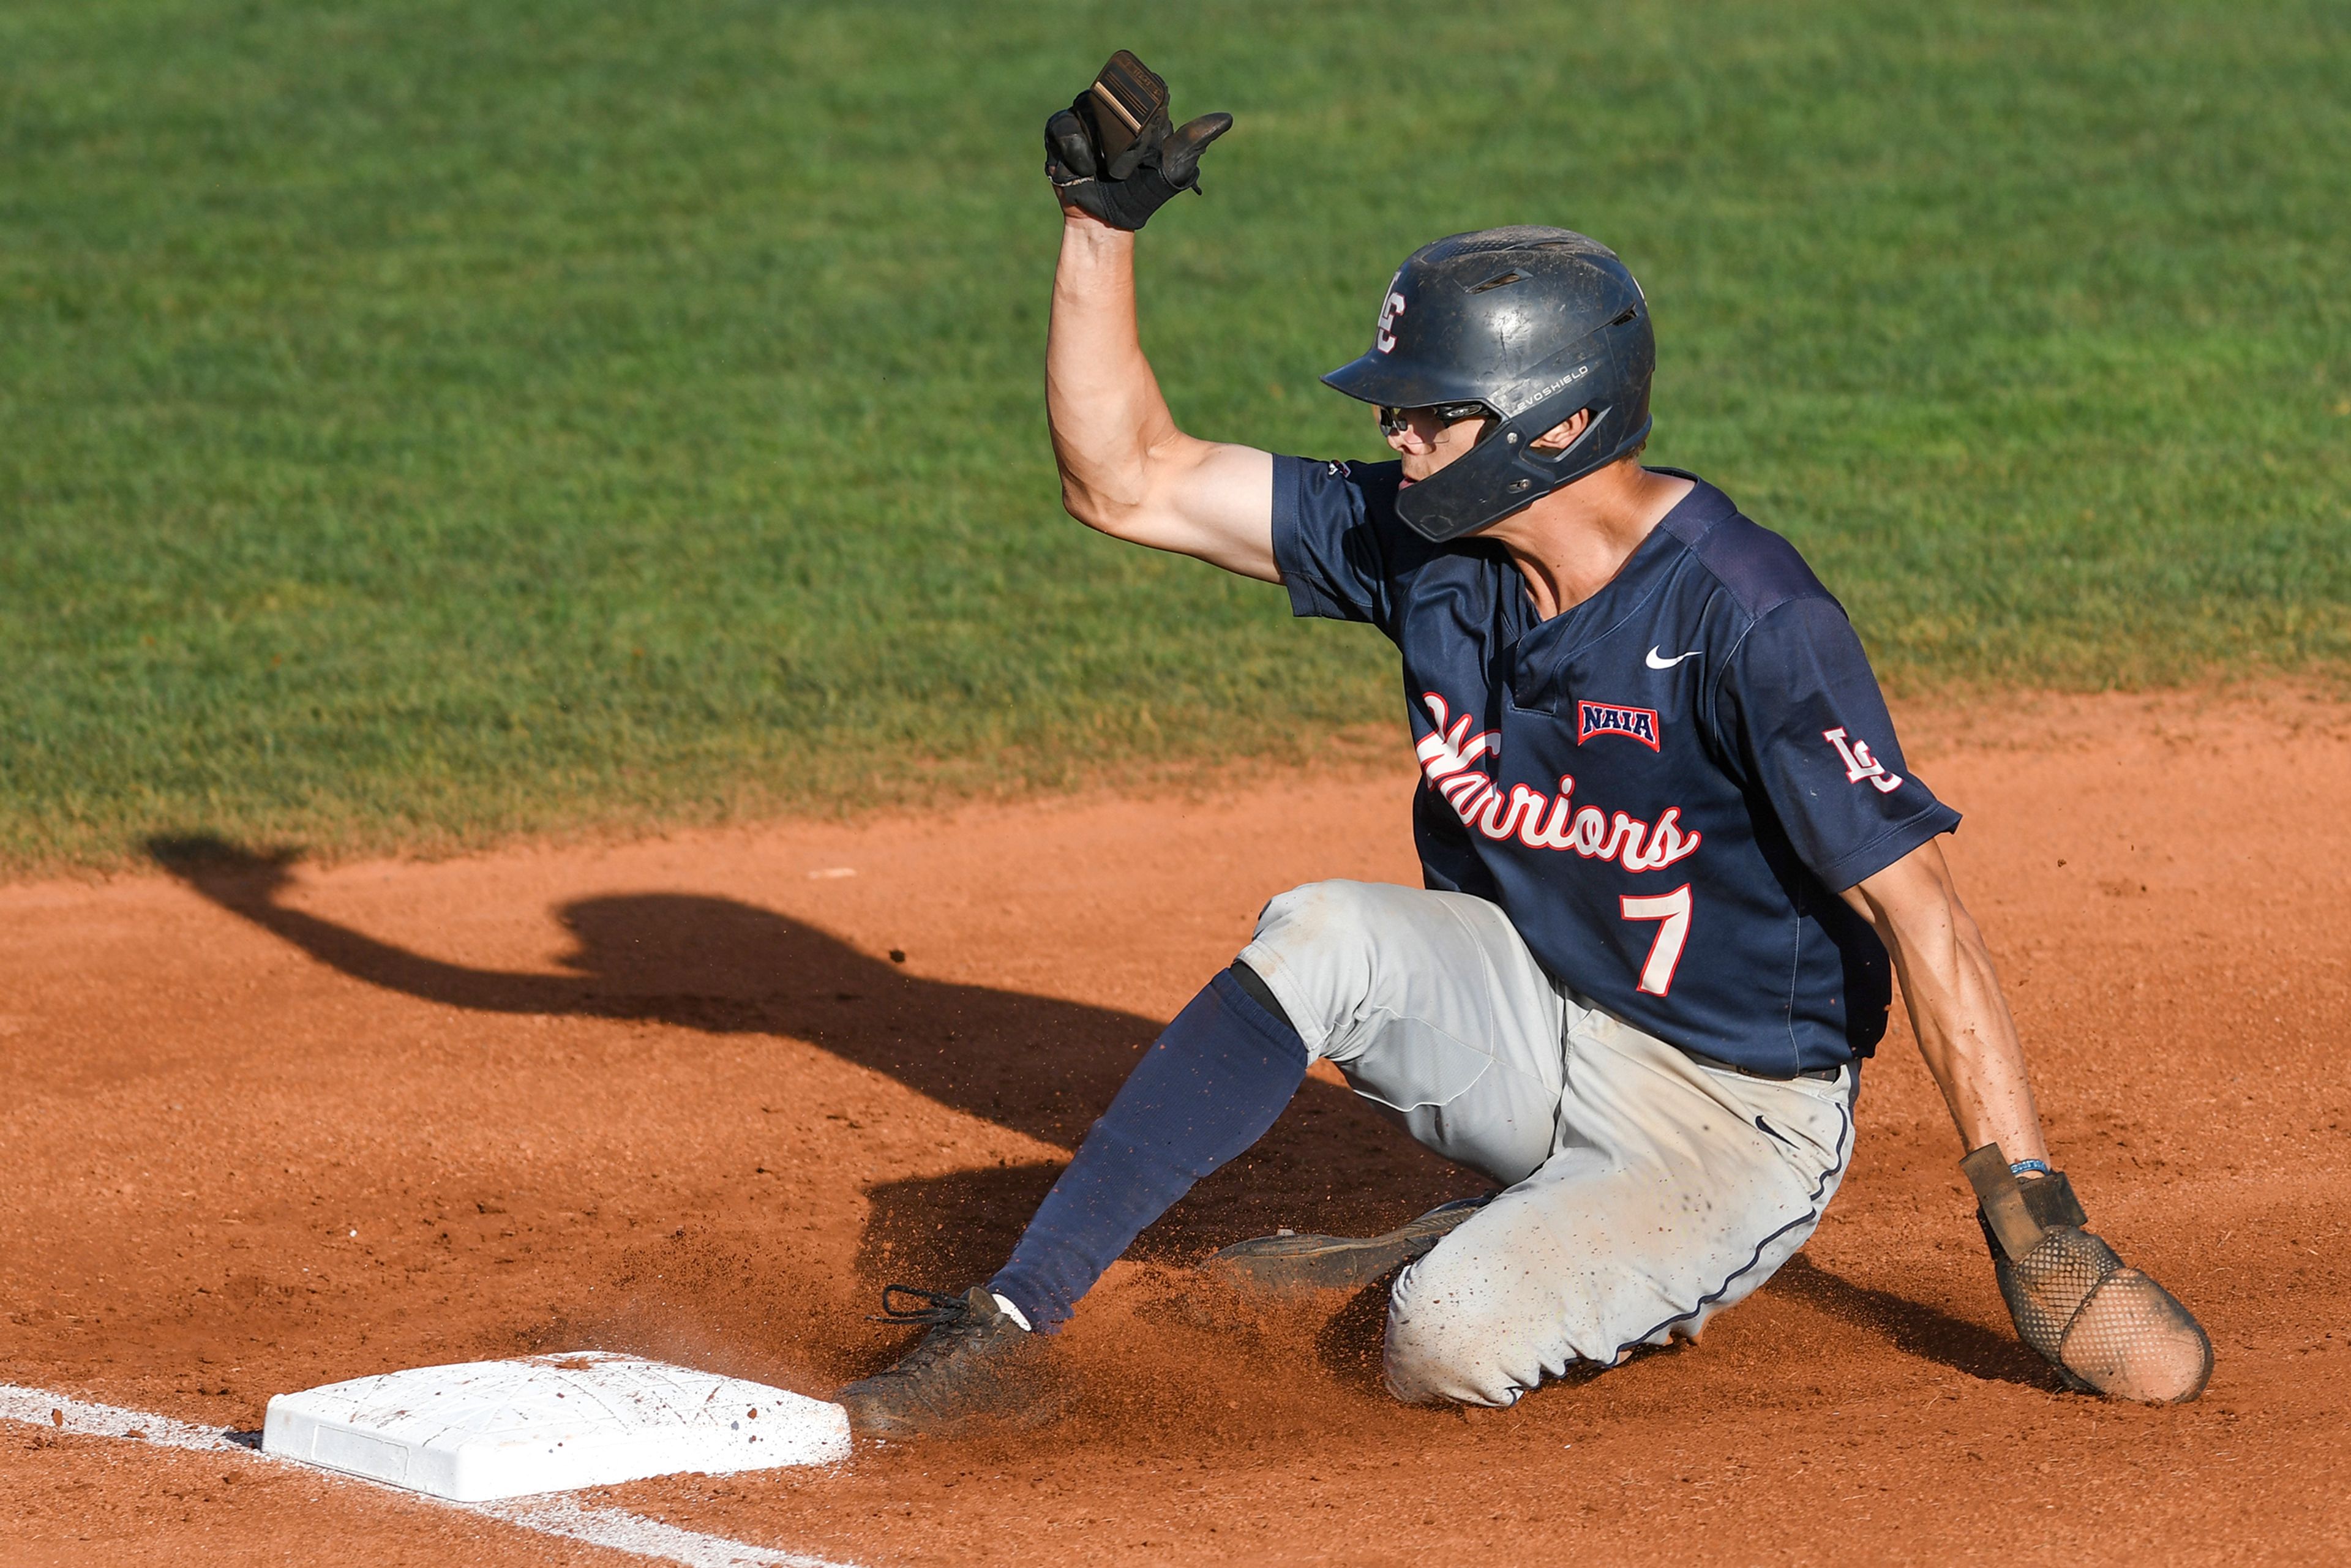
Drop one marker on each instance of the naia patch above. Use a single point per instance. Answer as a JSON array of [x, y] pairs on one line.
[[1606, 719]]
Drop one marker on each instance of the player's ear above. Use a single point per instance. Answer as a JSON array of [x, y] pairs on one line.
[[1561, 437]]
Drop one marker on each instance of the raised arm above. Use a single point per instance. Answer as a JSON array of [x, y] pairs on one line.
[[1957, 1010], [1125, 468]]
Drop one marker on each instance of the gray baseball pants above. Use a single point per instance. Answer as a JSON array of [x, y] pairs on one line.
[[1645, 1190]]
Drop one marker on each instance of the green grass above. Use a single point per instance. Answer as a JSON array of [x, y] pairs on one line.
[[421, 421]]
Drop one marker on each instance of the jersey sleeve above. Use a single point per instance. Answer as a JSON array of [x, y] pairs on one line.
[[1327, 542], [1810, 727]]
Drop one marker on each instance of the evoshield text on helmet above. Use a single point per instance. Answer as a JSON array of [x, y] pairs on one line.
[[1531, 324]]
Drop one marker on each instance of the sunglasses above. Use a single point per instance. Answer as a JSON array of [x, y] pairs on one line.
[[1396, 421]]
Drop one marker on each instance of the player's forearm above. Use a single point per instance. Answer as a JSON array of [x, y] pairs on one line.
[[1101, 397], [1969, 1042], [1965, 1031]]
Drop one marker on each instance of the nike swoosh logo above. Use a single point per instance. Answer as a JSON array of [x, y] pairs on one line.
[[1657, 664]]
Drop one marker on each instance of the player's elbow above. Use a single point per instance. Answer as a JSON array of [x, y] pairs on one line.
[[1076, 500], [1091, 505], [1114, 501]]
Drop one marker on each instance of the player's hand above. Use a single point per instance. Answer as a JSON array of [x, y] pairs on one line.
[[1112, 153], [2107, 1327]]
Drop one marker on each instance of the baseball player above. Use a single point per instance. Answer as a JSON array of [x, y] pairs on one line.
[[1672, 852]]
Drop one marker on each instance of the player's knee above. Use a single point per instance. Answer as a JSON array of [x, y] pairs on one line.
[[1451, 1340], [1322, 917], [1317, 947]]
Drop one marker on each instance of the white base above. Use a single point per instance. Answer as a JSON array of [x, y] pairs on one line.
[[488, 1429]]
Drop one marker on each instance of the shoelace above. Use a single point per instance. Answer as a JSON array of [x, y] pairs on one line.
[[949, 1318], [944, 1307]]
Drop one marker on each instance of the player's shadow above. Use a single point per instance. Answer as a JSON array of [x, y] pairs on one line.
[[1922, 1331], [1037, 1065]]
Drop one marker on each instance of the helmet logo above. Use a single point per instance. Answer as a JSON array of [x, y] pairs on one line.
[[1386, 339]]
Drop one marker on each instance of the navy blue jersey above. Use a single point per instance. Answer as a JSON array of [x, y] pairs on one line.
[[1663, 787]]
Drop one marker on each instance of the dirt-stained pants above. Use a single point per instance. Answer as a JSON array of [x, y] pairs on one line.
[[1646, 1191]]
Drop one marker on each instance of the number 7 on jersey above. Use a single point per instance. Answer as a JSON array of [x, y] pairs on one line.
[[1673, 909]]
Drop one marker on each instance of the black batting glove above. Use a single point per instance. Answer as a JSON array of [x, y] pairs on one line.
[[1122, 187]]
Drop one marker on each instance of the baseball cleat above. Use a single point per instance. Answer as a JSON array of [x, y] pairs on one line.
[[977, 1367], [1279, 1265]]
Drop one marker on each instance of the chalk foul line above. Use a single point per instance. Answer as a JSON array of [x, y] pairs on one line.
[[556, 1515]]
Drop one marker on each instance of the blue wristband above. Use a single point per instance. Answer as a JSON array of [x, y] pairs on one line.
[[2021, 1166]]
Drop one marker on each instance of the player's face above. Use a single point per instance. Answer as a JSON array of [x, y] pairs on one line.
[[1427, 439]]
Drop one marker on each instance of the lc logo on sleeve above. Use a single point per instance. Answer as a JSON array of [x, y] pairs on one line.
[[1859, 764]]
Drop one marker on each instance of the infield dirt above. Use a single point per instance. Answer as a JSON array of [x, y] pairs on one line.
[[270, 1127]]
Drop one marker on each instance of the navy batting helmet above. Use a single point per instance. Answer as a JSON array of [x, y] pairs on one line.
[[1531, 325]]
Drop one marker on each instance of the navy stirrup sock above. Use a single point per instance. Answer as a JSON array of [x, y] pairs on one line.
[[1207, 1089]]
